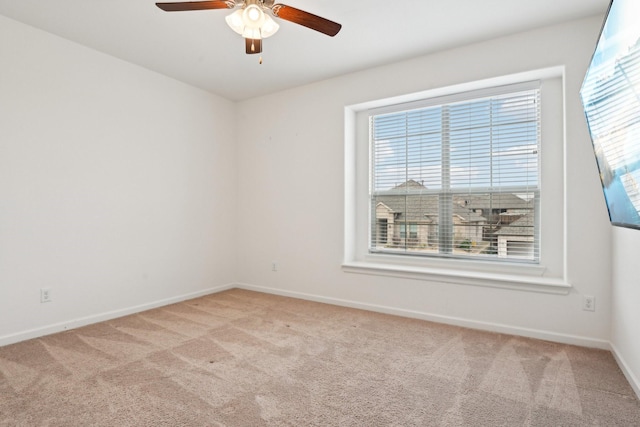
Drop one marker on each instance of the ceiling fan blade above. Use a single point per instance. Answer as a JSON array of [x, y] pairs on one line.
[[306, 19], [196, 5]]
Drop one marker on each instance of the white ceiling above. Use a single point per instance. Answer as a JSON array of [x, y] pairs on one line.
[[197, 47]]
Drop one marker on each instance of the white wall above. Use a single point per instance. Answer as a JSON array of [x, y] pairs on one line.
[[117, 185], [291, 182], [625, 307]]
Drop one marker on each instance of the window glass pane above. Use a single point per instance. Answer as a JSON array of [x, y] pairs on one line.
[[407, 148]]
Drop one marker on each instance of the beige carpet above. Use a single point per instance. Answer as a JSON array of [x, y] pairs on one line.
[[241, 358]]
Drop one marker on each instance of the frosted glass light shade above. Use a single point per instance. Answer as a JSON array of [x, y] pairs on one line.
[[235, 21], [269, 28]]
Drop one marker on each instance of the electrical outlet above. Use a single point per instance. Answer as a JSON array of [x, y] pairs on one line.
[[274, 266], [45, 294], [589, 303]]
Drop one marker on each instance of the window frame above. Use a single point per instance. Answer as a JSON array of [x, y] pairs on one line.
[[549, 276]]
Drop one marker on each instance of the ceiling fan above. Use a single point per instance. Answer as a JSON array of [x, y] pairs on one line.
[[251, 21]]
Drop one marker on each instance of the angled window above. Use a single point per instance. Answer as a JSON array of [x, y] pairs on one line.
[[458, 176]]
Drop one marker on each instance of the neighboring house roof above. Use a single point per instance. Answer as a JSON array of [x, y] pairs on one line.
[[416, 207], [520, 227], [495, 201], [423, 208], [409, 185], [467, 215]]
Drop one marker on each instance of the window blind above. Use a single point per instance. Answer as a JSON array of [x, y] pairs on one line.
[[458, 178]]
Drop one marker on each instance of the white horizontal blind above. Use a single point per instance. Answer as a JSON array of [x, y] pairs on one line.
[[459, 178]]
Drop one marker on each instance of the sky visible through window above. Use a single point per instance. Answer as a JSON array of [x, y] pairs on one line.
[[489, 143]]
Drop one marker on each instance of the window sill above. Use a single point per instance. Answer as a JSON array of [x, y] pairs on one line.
[[461, 277]]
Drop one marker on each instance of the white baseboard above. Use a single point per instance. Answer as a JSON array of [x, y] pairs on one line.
[[626, 370], [449, 320], [83, 321], [456, 321]]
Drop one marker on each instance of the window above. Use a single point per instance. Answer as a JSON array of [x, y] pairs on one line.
[[458, 176], [461, 184]]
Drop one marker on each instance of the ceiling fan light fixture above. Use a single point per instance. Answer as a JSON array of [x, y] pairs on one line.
[[252, 23]]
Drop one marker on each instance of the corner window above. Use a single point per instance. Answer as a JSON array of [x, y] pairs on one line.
[[458, 176]]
